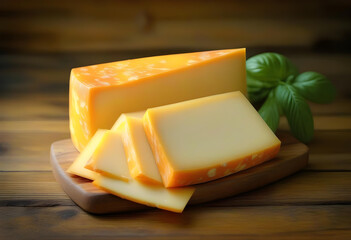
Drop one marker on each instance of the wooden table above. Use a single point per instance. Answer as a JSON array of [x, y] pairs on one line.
[[40, 41], [315, 202]]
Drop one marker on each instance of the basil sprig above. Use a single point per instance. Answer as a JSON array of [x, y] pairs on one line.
[[274, 80]]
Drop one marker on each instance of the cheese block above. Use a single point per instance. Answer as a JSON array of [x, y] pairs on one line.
[[109, 157], [99, 94], [123, 117], [174, 199], [78, 166], [208, 138], [141, 161]]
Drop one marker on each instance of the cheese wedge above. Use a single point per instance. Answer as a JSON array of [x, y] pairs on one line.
[[158, 196], [208, 138], [149, 194], [141, 161], [107, 156], [78, 166], [99, 94], [120, 121]]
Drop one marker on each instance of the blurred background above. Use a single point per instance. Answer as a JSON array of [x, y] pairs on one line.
[[40, 41]]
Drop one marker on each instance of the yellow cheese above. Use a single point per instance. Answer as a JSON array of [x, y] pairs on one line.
[[108, 157], [105, 153], [141, 161], [158, 196], [78, 166], [110, 160], [207, 138], [123, 116], [99, 94]]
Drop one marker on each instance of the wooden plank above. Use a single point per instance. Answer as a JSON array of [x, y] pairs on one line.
[[303, 188], [31, 189], [28, 144], [330, 142], [39, 126], [329, 162], [331, 65], [71, 27], [95, 35], [27, 151], [34, 106], [330, 150], [280, 222], [323, 123], [181, 9], [36, 80], [341, 106]]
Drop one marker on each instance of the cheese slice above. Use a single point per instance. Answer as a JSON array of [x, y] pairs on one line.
[[174, 199], [78, 166], [141, 161], [121, 120], [207, 138], [109, 157], [113, 162], [99, 94]]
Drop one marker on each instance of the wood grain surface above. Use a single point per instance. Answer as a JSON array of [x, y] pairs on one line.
[[40, 41], [272, 222], [87, 26]]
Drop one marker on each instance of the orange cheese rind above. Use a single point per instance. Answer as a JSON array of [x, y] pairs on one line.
[[185, 178], [135, 156], [134, 167], [144, 69], [163, 165]]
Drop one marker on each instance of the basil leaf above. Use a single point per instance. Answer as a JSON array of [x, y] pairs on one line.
[[315, 87], [255, 83], [258, 96], [297, 112], [270, 111], [269, 69]]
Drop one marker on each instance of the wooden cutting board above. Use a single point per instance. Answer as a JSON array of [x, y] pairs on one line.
[[292, 157]]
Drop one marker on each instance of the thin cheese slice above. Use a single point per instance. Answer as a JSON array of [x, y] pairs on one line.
[[141, 161], [120, 121], [78, 166], [108, 158], [99, 94], [204, 139], [173, 200]]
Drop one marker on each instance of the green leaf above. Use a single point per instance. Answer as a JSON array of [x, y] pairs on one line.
[[268, 69], [315, 87], [270, 111], [297, 112], [255, 83], [257, 95]]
